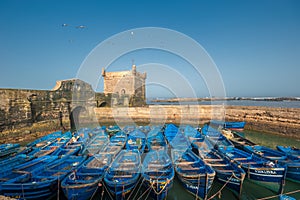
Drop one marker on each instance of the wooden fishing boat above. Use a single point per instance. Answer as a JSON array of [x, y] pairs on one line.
[[158, 173], [96, 143], [237, 140], [170, 132], [51, 147], [293, 151], [144, 129], [8, 174], [156, 140], [45, 139], [119, 139], [176, 139], [111, 130], [136, 140], [216, 138], [226, 172], [292, 163], [129, 128], [237, 126], [8, 149], [258, 170], [196, 176], [13, 161], [43, 182], [123, 173], [84, 182]]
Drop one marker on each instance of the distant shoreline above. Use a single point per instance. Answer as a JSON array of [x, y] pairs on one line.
[[177, 100]]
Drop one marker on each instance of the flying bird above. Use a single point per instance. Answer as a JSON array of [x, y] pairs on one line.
[[64, 25], [81, 27]]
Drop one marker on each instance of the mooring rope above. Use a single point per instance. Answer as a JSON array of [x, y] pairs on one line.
[[138, 189], [219, 192], [270, 197], [134, 187], [198, 186], [148, 190], [107, 192], [95, 190], [57, 187]]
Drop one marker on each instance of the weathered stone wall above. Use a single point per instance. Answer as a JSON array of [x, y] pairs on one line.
[[276, 120]]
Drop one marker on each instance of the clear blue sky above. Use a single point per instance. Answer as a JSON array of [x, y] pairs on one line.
[[255, 44]]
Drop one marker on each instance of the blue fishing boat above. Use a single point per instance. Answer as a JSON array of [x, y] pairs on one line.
[[158, 173], [293, 151], [292, 163], [176, 139], [119, 139], [13, 161], [95, 144], [8, 174], [156, 140], [111, 130], [226, 172], [170, 132], [42, 182], [51, 147], [45, 139], [123, 173], [237, 126], [129, 128], [84, 182], [216, 138], [237, 139], [136, 140], [258, 170], [144, 129], [8, 149], [196, 176]]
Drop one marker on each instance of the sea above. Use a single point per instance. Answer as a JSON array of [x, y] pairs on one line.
[[277, 104]]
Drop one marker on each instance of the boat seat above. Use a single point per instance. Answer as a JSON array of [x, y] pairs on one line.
[[122, 176], [213, 159], [218, 164], [240, 158], [224, 170], [185, 163]]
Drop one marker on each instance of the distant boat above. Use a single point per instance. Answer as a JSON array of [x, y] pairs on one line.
[[293, 151], [123, 173], [196, 176], [156, 140], [119, 139], [291, 162], [259, 170], [170, 132], [83, 182], [136, 140], [158, 173], [237, 126]]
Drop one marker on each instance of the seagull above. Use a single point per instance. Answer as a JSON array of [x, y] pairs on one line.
[[81, 27], [64, 25]]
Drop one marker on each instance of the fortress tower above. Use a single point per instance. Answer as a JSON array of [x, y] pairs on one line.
[[130, 83]]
